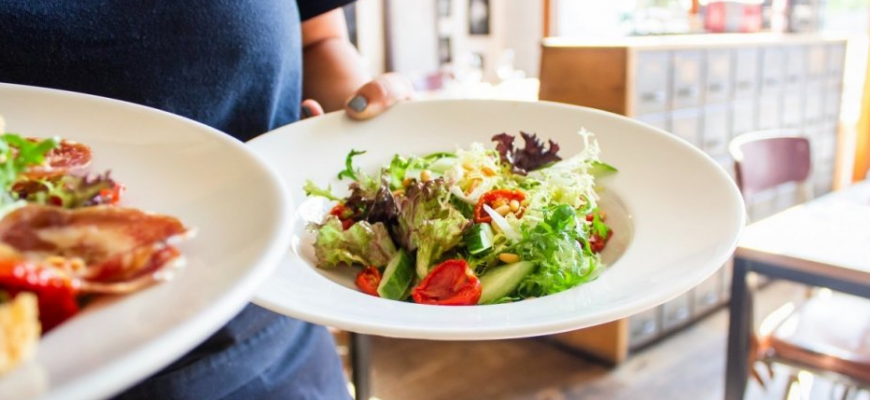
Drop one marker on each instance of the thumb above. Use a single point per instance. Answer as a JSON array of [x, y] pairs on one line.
[[378, 95]]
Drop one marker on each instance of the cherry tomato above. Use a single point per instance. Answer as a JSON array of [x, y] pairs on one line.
[[56, 295], [344, 215], [496, 196], [368, 280], [451, 283]]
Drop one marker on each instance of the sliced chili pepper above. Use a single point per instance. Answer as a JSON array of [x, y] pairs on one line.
[[451, 283], [368, 280], [495, 196], [56, 296], [344, 215]]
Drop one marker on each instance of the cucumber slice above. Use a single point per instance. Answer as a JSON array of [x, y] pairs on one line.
[[397, 277], [478, 239], [502, 280]]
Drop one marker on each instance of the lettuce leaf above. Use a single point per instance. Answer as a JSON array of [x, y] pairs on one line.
[[429, 223], [362, 243], [555, 246], [529, 158]]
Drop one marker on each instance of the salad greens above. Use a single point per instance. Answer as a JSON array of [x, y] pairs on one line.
[[16, 155], [523, 215]]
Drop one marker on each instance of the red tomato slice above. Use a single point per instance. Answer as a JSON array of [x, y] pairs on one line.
[[368, 280], [55, 294], [451, 283]]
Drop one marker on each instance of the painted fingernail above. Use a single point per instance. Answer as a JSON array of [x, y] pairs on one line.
[[306, 112], [358, 103]]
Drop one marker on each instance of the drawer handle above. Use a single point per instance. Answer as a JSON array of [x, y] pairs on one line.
[[771, 81], [744, 84], [709, 298], [715, 87], [689, 91], [658, 95]]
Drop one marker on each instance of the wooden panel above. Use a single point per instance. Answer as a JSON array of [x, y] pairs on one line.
[[608, 342], [588, 77]]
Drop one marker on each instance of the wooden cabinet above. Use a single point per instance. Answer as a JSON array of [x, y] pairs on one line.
[[706, 90]]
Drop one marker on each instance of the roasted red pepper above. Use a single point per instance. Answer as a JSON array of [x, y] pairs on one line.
[[56, 295], [368, 281], [451, 283], [344, 215], [495, 199]]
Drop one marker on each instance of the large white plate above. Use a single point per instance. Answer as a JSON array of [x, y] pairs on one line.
[[677, 216], [174, 166]]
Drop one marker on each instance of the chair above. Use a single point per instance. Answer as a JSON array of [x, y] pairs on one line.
[[827, 335], [765, 160]]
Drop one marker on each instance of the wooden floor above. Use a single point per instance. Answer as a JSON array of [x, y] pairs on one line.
[[687, 366]]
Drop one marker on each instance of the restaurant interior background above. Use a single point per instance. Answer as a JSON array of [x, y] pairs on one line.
[[705, 71]]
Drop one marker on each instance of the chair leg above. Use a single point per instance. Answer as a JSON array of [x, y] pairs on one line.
[[360, 360], [792, 388]]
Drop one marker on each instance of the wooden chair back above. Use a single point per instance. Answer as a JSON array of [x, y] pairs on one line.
[[764, 160]]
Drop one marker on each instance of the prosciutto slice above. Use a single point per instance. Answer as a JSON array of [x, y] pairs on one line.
[[101, 249]]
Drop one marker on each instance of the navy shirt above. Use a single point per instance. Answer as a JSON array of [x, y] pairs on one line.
[[235, 65], [232, 64]]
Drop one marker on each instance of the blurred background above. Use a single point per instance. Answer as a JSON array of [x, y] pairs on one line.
[[704, 70]]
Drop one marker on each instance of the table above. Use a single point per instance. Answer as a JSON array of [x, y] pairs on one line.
[[825, 242]]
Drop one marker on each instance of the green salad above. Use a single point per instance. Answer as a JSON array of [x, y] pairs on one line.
[[473, 226]]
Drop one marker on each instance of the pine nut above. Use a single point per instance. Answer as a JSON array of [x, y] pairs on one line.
[[468, 166], [509, 258], [407, 182], [488, 171], [472, 186], [503, 210], [602, 215], [497, 203], [515, 205], [425, 175]]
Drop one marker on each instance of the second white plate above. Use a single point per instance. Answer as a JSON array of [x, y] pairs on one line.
[[676, 214]]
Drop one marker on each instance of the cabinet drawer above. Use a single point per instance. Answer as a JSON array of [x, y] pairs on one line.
[[686, 124], [746, 75], [792, 110], [769, 112], [717, 86], [717, 130], [677, 312], [813, 107], [660, 120], [743, 116], [686, 91], [817, 64], [708, 294], [772, 70], [824, 151], [652, 87], [831, 108], [644, 327], [795, 68], [836, 60]]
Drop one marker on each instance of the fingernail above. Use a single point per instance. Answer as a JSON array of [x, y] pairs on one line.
[[306, 111], [358, 103]]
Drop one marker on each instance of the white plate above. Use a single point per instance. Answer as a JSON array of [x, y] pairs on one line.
[[676, 213], [174, 166]]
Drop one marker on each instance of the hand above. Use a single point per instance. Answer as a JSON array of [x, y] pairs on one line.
[[371, 99]]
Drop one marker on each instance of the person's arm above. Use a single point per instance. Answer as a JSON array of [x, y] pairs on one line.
[[335, 77]]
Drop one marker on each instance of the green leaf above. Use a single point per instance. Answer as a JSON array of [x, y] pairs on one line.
[[600, 169], [313, 190], [362, 243], [16, 155], [349, 171]]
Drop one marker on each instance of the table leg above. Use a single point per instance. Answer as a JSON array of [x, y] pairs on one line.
[[360, 360], [739, 331]]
